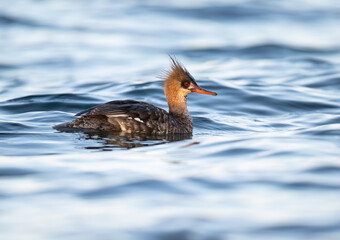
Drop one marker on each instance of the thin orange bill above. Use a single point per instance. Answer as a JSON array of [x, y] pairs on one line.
[[203, 91]]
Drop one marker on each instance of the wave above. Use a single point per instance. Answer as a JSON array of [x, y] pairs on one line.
[[266, 50], [151, 185], [13, 126], [49, 102], [325, 170], [300, 228], [325, 83], [249, 10], [16, 172]]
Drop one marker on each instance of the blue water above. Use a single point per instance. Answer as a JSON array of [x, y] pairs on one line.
[[264, 159]]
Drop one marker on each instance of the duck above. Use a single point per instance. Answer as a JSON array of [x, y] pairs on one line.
[[130, 116]]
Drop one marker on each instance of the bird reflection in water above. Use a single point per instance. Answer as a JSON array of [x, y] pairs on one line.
[[122, 140]]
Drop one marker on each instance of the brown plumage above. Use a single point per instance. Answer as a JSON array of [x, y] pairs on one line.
[[140, 117]]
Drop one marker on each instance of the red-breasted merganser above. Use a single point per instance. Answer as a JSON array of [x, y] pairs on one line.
[[140, 117]]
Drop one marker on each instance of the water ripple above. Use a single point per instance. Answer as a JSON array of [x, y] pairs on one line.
[[269, 51], [151, 185], [16, 172]]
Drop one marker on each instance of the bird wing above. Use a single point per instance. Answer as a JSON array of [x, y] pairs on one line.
[[127, 108]]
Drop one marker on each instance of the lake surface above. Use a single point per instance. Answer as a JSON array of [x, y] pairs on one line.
[[264, 159]]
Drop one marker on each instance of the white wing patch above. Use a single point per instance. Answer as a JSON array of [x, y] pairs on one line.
[[117, 115], [125, 115], [139, 120]]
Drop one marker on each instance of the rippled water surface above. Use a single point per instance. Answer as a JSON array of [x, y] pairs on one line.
[[264, 159]]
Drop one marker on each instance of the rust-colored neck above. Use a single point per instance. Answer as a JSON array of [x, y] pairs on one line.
[[177, 103], [178, 110]]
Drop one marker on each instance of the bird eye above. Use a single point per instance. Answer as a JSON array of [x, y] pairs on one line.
[[185, 84]]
